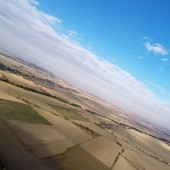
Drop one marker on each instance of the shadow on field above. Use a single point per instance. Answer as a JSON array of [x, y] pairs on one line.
[[16, 155]]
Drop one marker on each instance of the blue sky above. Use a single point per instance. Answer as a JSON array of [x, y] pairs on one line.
[[117, 50], [116, 30]]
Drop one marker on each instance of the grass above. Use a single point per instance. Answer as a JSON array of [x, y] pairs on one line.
[[68, 113], [21, 112]]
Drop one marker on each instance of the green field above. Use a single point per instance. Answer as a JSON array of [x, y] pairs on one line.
[[68, 113], [21, 112]]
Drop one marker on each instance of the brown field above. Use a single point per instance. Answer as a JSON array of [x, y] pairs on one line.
[[75, 158], [14, 154], [92, 126], [66, 127], [122, 162], [102, 149], [142, 161], [6, 96], [96, 129], [147, 143], [43, 140]]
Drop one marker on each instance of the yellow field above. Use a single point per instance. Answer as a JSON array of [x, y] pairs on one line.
[[102, 149], [142, 161], [123, 163]]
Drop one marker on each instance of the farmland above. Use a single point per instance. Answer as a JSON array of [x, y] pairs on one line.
[[68, 113], [21, 112], [46, 123]]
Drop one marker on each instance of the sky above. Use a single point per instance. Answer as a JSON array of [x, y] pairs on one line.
[[117, 50]]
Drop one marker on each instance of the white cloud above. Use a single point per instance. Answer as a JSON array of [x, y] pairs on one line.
[[50, 18], [160, 90], [164, 59], [34, 2], [29, 34], [158, 87], [145, 38], [156, 48], [73, 34]]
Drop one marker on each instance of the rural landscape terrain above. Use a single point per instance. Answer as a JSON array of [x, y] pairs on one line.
[[47, 123]]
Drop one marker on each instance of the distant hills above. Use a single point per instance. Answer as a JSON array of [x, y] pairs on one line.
[[10, 55]]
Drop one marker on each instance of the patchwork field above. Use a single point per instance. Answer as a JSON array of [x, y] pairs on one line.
[[75, 158], [150, 145], [43, 140], [14, 154], [102, 149], [19, 79], [142, 161], [58, 126], [96, 128], [66, 127]]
